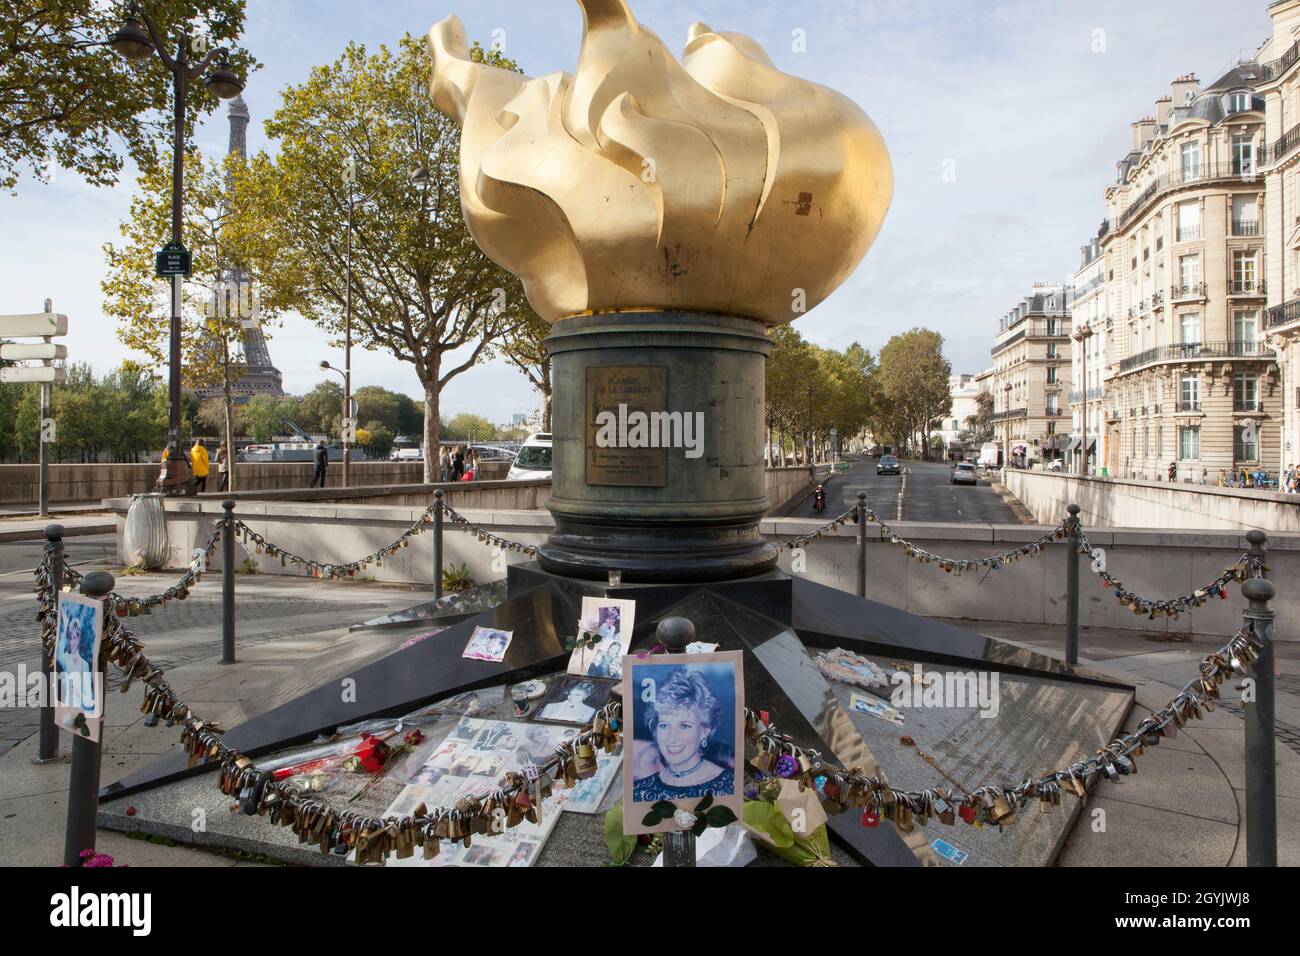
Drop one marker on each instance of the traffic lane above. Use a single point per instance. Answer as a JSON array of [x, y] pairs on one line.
[[23, 556], [842, 492], [931, 496]]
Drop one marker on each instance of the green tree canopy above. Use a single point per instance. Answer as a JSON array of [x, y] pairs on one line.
[[421, 289], [85, 107]]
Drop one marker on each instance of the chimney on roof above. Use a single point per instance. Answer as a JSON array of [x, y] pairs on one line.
[[1144, 130], [1184, 89], [1164, 106]]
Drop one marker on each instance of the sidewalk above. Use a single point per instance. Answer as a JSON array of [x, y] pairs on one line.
[[22, 523], [1184, 807]]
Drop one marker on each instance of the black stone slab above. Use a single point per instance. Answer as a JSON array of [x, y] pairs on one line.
[[397, 684], [801, 704], [447, 609], [828, 617], [768, 593]]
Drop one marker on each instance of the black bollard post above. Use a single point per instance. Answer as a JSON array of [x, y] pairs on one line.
[[862, 544], [48, 747], [437, 543], [1072, 587], [228, 584], [1261, 755], [674, 633], [83, 781]]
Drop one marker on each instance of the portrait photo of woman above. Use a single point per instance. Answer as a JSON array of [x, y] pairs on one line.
[[685, 727], [574, 700]]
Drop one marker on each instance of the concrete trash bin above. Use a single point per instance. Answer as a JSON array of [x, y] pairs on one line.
[[144, 540]]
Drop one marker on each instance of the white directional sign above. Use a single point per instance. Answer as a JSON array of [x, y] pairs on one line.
[[41, 350], [38, 323], [36, 373]]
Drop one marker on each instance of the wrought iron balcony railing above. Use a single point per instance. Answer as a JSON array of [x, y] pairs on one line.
[[1282, 314], [1194, 351], [1194, 290]]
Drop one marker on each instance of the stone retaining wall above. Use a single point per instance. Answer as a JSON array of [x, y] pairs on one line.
[[1031, 591], [1123, 503]]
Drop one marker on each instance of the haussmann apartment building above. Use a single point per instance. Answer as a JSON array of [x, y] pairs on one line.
[[1179, 365]]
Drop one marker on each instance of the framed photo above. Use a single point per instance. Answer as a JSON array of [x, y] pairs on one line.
[[684, 734], [78, 684], [488, 644], [612, 619], [574, 700]]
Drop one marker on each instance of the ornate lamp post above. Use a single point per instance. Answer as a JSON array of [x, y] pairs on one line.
[[136, 42], [1081, 335], [419, 175]]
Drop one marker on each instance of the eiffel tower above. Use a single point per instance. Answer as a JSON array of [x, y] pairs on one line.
[[253, 373]]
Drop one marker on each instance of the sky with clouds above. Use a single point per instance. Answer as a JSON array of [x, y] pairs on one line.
[[1026, 104]]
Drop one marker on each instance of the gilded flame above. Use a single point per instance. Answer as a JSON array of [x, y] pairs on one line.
[[718, 184]]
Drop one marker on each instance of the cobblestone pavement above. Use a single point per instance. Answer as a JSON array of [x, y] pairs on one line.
[[268, 609]]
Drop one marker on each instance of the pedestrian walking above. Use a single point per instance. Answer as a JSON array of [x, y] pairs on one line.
[[223, 467], [1205, 475], [199, 465], [443, 463], [322, 461], [472, 465], [1173, 470], [458, 463]]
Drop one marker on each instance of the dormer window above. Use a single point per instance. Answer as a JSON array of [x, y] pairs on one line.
[[1238, 102]]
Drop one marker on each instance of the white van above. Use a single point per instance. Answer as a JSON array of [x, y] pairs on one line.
[[990, 455], [533, 460]]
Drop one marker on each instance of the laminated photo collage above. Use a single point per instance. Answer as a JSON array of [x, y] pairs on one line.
[[478, 752]]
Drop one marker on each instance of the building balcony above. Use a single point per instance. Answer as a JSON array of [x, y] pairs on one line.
[[1281, 147], [1179, 178], [1195, 351], [1157, 300], [1188, 233], [1247, 288], [1243, 405], [1246, 227], [1283, 314], [1192, 406], [1187, 292], [1274, 68], [1013, 413]]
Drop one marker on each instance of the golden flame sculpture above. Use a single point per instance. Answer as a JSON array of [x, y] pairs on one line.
[[718, 184]]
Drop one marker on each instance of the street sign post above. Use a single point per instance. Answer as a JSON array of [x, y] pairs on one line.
[[172, 259], [34, 373], [37, 324], [44, 325], [47, 351]]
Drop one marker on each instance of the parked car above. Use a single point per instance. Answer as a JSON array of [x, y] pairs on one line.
[[963, 473], [533, 460], [888, 465]]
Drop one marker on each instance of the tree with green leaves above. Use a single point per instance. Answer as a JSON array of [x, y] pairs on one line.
[[914, 390], [526, 350], [67, 100], [421, 288], [467, 427], [216, 309]]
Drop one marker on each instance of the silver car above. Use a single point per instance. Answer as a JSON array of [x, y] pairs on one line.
[[963, 473]]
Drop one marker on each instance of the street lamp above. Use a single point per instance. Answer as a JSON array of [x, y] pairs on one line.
[[418, 175], [1006, 426], [135, 42], [1081, 335]]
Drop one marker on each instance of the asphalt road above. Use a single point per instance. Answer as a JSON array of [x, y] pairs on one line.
[[929, 495], [23, 556]]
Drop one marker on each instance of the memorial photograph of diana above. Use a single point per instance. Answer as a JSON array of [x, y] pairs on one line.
[[686, 724]]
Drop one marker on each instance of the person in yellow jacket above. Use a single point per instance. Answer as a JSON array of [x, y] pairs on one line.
[[199, 465]]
